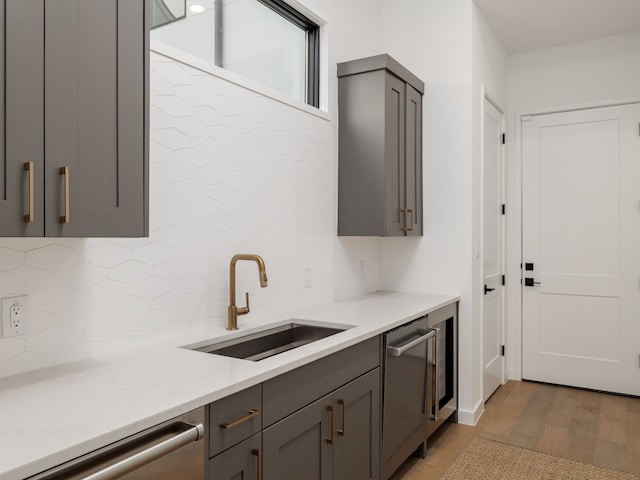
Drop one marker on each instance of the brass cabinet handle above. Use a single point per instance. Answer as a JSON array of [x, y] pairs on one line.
[[256, 452], [330, 410], [252, 413], [404, 220], [28, 167], [65, 171], [410, 228], [341, 431]]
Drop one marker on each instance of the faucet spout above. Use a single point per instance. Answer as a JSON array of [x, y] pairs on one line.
[[233, 310]]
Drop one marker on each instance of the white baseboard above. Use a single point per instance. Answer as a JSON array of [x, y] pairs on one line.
[[513, 375], [471, 417]]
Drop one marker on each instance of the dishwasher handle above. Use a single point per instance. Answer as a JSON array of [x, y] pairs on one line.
[[148, 455], [116, 466], [398, 351]]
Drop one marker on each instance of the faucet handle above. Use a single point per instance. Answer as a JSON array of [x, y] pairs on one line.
[[244, 310]]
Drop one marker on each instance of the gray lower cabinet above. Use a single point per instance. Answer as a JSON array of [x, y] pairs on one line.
[[334, 438], [235, 442], [241, 462], [298, 446], [380, 149], [76, 121], [356, 448], [319, 421]]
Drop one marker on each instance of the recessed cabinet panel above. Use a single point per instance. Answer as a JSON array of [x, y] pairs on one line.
[[96, 72], [394, 152], [361, 207], [413, 162], [356, 453], [21, 126], [238, 463], [94, 117], [297, 446]]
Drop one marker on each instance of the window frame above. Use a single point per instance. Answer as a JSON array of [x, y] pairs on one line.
[[311, 29]]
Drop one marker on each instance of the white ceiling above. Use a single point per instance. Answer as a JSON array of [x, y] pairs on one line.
[[523, 25]]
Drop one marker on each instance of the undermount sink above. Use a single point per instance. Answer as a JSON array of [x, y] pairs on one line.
[[265, 344]]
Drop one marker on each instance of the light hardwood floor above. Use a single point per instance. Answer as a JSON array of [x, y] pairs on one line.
[[591, 427]]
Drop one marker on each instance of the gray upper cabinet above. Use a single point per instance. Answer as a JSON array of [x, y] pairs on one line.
[[21, 126], [77, 102], [380, 149]]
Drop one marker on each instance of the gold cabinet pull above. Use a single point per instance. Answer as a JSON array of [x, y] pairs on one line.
[[404, 211], [65, 171], [252, 413], [341, 431], [256, 453], [28, 167], [330, 410], [404, 220], [410, 227]]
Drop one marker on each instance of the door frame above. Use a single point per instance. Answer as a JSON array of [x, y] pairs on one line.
[[487, 96], [514, 192]]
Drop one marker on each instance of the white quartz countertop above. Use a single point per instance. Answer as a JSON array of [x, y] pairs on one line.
[[50, 416]]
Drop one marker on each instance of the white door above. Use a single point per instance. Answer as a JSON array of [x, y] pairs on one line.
[[492, 249], [581, 248]]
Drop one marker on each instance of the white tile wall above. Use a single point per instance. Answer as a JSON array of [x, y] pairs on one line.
[[231, 171]]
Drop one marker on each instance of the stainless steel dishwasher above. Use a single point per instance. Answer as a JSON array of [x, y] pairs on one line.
[[172, 450], [404, 399]]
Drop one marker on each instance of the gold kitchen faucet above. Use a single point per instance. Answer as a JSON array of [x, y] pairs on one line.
[[233, 310]]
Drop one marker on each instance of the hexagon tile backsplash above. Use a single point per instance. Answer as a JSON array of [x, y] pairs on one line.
[[231, 171]]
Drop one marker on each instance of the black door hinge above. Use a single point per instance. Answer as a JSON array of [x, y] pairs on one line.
[[504, 138], [504, 280], [502, 350], [503, 209]]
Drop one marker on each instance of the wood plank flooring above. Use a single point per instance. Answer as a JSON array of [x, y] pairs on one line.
[[591, 427]]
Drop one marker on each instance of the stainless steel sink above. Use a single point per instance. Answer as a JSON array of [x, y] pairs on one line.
[[265, 344]]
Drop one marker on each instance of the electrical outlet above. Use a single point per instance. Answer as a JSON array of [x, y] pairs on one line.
[[15, 316]]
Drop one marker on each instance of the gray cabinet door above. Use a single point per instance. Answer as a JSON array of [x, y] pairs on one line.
[[21, 105], [356, 450], [361, 148], [395, 149], [297, 448], [241, 462], [95, 106], [413, 162]]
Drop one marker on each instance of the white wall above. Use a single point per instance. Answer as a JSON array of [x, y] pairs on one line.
[[231, 171], [489, 77], [456, 53], [574, 75], [601, 69], [433, 39]]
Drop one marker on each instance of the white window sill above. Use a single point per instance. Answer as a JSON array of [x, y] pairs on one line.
[[195, 62]]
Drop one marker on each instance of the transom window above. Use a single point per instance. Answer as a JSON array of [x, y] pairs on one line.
[[267, 41]]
